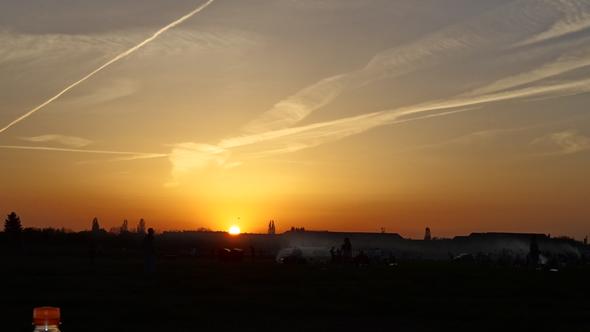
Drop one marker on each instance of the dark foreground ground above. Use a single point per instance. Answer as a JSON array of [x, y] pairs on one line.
[[203, 295]]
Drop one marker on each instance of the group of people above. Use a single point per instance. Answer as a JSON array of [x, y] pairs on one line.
[[148, 248], [342, 254]]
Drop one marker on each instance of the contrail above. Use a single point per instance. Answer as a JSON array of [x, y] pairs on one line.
[[133, 155], [110, 62]]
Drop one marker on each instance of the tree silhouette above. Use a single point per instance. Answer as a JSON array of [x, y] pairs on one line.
[[12, 224], [95, 225]]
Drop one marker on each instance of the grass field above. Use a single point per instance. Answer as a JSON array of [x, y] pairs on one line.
[[203, 295]]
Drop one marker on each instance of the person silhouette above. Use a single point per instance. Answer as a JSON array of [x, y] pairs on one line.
[[534, 252], [347, 250], [333, 255], [149, 250]]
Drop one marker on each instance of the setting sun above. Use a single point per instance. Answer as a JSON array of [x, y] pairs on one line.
[[234, 230]]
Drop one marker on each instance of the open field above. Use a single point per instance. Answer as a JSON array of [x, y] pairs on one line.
[[198, 295]]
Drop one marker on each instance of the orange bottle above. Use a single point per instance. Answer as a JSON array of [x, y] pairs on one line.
[[46, 319]]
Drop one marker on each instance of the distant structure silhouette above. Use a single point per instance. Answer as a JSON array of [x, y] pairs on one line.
[[586, 240], [12, 224], [95, 225], [141, 227], [149, 250], [427, 235], [124, 227], [271, 228]]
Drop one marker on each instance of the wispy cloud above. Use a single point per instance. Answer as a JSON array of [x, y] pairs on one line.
[[390, 63], [479, 136], [19, 48], [30, 48], [469, 139], [517, 19], [357, 124], [575, 17], [108, 63], [276, 131], [327, 4], [295, 108], [118, 88], [563, 143], [72, 141], [303, 137], [459, 40], [573, 60], [186, 157]]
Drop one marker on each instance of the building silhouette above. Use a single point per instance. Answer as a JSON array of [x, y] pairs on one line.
[[271, 228], [427, 235]]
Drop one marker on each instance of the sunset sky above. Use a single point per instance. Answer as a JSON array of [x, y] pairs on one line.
[[346, 115]]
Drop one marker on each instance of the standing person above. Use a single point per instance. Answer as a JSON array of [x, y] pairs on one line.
[[346, 250], [333, 255], [149, 251], [534, 252]]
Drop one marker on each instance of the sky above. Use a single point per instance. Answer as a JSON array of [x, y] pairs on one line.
[[344, 115]]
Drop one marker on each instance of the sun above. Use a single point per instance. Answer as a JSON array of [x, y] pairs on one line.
[[234, 230]]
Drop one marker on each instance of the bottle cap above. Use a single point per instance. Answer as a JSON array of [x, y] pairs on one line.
[[46, 316]]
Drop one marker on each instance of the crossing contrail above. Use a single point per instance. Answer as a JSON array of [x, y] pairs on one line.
[[110, 62]]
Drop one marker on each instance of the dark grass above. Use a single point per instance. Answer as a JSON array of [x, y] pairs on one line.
[[189, 294]]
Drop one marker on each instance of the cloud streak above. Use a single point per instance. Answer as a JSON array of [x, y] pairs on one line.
[[357, 124], [575, 18], [565, 63], [108, 63], [563, 142], [73, 141], [130, 155], [193, 156], [460, 39]]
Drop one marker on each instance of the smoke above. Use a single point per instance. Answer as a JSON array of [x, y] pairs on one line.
[[107, 64]]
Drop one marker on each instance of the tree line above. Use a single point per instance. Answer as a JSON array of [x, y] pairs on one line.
[[13, 226]]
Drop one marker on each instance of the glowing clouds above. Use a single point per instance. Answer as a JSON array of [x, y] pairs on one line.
[[186, 157], [563, 143]]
